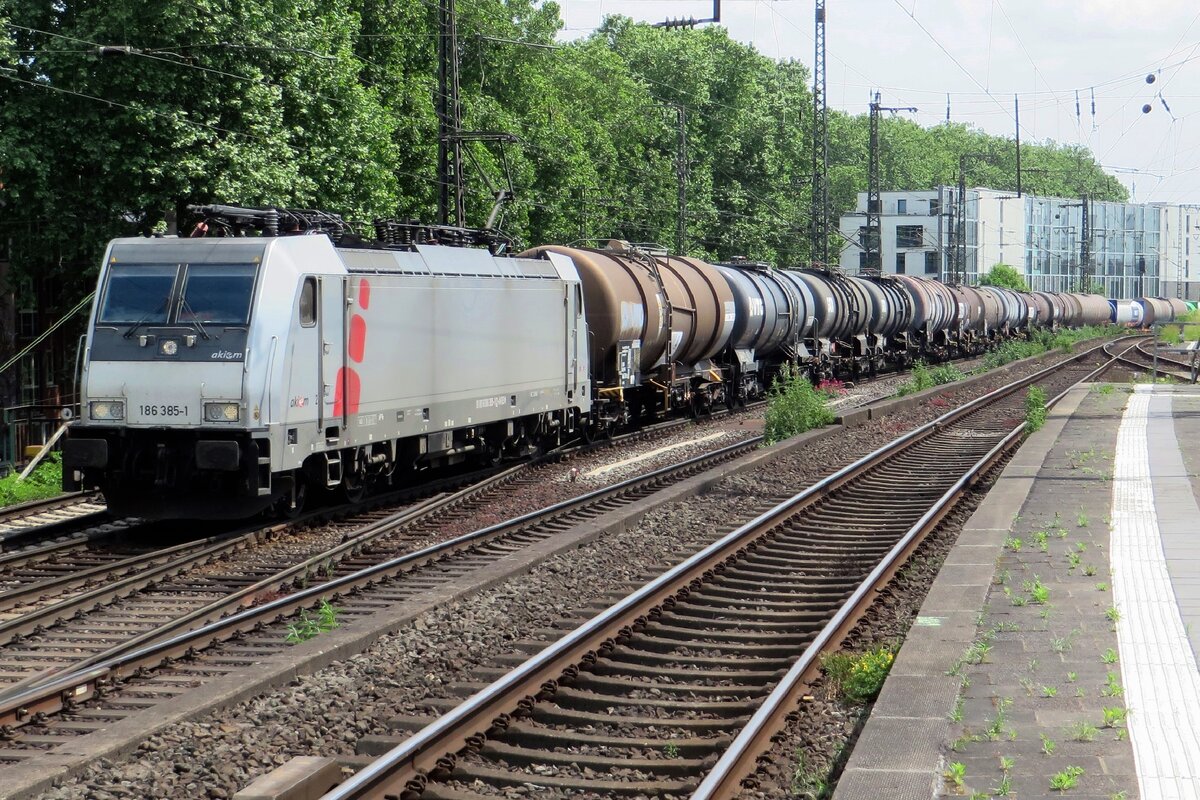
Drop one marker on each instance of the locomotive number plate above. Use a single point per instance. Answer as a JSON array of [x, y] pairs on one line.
[[162, 411]]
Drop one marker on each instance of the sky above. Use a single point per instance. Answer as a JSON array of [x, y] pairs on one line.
[[982, 52]]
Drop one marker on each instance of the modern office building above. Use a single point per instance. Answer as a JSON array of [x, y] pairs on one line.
[[1180, 242], [1133, 249]]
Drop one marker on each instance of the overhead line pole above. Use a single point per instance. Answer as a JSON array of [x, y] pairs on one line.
[[450, 176], [874, 238], [820, 155]]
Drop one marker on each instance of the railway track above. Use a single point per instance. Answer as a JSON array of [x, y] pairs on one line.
[[385, 555], [675, 688], [52, 589], [51, 518], [1140, 357]]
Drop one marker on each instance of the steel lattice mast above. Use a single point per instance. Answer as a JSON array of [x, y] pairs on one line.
[[820, 156]]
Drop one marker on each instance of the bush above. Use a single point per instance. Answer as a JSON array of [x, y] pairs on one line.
[[794, 406], [1035, 409], [858, 676], [921, 377], [45, 481], [1043, 341]]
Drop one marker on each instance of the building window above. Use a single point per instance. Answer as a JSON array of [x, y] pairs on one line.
[[909, 235], [933, 262], [935, 207], [900, 263], [26, 323], [901, 206]]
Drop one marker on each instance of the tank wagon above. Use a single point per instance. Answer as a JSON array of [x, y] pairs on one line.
[[1155, 310], [260, 366]]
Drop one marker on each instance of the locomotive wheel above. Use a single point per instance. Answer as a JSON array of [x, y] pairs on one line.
[[353, 489], [292, 504]]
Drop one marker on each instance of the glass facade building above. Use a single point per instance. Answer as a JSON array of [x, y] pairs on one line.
[[1124, 248], [1041, 236]]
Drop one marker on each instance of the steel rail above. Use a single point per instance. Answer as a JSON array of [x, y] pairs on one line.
[[726, 779], [264, 588], [1124, 359], [406, 766], [233, 601], [63, 690]]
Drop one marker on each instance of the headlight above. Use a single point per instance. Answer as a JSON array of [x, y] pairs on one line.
[[168, 347], [221, 412], [107, 409]]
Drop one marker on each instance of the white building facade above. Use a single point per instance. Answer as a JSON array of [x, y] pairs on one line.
[[1181, 251], [1134, 249]]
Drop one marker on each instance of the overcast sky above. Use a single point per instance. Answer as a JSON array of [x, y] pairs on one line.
[[1042, 50]]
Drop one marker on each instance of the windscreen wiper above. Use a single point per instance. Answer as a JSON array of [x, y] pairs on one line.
[[134, 328], [197, 325]]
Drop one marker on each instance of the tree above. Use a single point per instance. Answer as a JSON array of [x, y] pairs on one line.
[[1006, 277]]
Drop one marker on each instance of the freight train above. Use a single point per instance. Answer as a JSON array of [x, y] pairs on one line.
[[275, 354]]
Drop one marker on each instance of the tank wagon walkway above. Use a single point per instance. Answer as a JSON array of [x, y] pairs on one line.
[[1057, 650]]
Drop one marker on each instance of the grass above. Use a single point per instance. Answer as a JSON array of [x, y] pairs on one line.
[[996, 729], [1083, 732], [921, 377], [1109, 656], [43, 482], [1114, 716], [1114, 615], [1048, 745], [858, 676], [310, 626], [1038, 592], [1035, 408], [794, 406], [956, 774], [1067, 779], [1061, 644], [807, 780]]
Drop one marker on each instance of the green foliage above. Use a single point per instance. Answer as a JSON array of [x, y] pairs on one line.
[[1006, 277], [955, 774], [794, 406], [858, 676], [329, 104], [1035, 408], [1067, 779], [45, 481], [921, 377], [310, 626]]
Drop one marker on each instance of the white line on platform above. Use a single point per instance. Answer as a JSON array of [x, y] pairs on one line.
[[1158, 667], [651, 454]]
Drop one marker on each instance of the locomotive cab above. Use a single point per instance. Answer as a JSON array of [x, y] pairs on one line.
[[164, 414]]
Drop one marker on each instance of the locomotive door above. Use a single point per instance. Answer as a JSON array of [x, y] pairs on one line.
[[334, 379]]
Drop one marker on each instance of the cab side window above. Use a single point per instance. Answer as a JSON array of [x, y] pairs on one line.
[[308, 303]]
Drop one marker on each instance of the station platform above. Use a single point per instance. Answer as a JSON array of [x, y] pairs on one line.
[[1056, 653]]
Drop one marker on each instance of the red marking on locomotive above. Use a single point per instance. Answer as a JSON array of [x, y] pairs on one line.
[[347, 403], [358, 338], [364, 293]]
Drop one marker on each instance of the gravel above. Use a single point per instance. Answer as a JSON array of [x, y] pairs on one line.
[[327, 712]]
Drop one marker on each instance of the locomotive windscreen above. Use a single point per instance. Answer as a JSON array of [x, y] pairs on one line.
[[138, 293], [217, 294]]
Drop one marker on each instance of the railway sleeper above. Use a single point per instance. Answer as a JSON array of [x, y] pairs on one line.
[[550, 713], [496, 777], [583, 700], [501, 750], [617, 683], [648, 642]]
